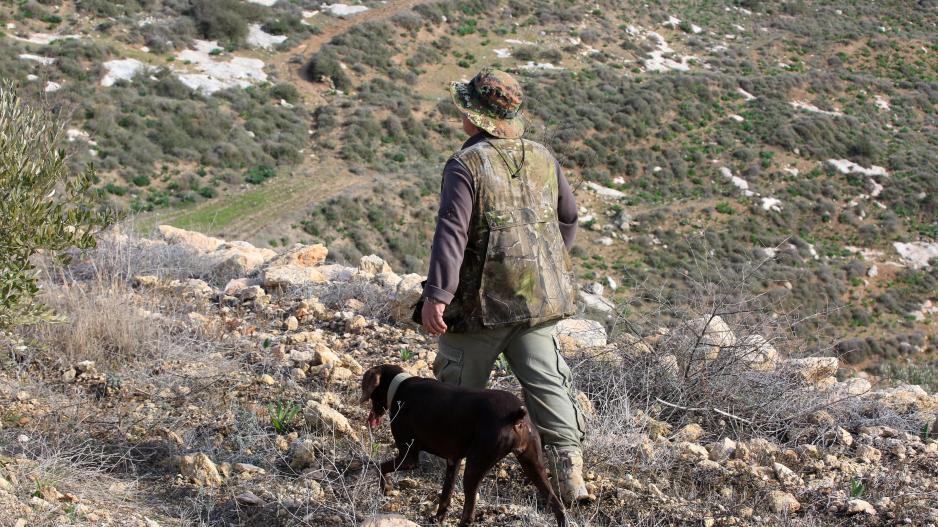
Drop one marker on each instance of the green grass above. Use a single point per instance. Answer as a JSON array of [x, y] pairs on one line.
[[218, 213]]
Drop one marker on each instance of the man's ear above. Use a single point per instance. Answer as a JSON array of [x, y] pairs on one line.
[[370, 382]]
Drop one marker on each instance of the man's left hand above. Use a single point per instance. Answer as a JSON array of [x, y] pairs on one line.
[[432, 316]]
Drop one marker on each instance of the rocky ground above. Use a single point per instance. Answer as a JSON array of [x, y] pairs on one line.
[[194, 381]]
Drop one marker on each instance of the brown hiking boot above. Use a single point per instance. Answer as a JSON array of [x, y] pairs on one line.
[[566, 476]]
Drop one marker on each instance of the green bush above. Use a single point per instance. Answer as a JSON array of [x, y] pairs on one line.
[[47, 209], [259, 174], [115, 189], [141, 180], [221, 20], [208, 192]]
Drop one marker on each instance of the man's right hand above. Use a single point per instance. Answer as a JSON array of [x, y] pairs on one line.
[[432, 316]]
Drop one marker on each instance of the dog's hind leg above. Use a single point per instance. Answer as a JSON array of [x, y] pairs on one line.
[[449, 481], [533, 468], [475, 471], [408, 458]]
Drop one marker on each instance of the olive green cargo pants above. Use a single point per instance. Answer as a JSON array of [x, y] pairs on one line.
[[467, 359]]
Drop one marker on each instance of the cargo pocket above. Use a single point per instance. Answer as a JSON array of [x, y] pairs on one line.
[[566, 374], [447, 366]]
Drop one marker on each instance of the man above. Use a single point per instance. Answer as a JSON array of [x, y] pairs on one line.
[[500, 275]]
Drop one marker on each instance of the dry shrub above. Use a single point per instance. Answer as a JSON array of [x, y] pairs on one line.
[[102, 318], [121, 254], [675, 380], [110, 326]]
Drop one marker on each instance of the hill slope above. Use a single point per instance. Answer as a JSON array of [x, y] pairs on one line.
[[780, 154], [172, 400]]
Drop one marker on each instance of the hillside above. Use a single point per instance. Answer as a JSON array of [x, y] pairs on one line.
[[204, 382], [784, 149]]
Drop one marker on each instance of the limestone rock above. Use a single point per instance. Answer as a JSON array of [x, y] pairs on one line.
[[356, 324], [388, 281], [840, 436], [758, 353], [713, 331], [302, 454], [194, 240], [302, 256], [692, 451], [249, 499], [586, 406], [812, 369], [722, 450], [780, 502], [192, 288], [580, 333], [237, 259], [669, 365], [147, 280], [338, 273], [200, 470], [247, 468], [237, 285], [388, 520], [652, 426], [593, 303], [906, 398], [324, 356], [858, 506], [319, 415], [787, 476], [869, 454], [291, 277], [854, 387], [405, 295], [310, 309], [691, 432], [373, 264]]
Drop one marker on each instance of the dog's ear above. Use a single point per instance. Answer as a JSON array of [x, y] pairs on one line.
[[370, 382]]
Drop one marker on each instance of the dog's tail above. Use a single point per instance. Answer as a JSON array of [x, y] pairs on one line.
[[518, 414]]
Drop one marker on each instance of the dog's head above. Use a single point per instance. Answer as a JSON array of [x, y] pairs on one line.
[[375, 384]]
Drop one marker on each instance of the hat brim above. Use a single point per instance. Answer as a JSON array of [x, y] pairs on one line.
[[510, 128]]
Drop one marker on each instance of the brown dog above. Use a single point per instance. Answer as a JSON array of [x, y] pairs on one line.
[[454, 423]]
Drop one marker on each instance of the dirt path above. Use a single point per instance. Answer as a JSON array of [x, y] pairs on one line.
[[269, 210], [291, 72]]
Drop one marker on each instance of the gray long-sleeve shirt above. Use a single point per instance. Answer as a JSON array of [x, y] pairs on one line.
[[452, 225]]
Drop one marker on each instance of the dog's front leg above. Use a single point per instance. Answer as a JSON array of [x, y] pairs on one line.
[[407, 461], [449, 481], [383, 481]]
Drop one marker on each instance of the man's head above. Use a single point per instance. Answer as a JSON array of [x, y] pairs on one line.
[[491, 101]]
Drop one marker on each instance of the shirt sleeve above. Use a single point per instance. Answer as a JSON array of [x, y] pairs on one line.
[[566, 209], [452, 233]]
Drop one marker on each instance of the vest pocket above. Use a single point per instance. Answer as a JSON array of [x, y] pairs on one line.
[[525, 276]]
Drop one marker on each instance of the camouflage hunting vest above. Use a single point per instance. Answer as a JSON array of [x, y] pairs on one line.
[[516, 269]]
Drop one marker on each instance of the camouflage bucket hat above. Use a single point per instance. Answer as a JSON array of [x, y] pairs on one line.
[[492, 101]]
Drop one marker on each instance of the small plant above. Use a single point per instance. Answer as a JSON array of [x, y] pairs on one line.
[[406, 354], [724, 208], [857, 488], [926, 432], [282, 415], [503, 364]]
